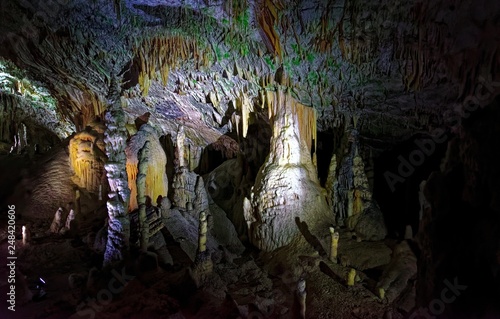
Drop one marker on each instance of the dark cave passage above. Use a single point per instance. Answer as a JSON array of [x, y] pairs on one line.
[[397, 178]]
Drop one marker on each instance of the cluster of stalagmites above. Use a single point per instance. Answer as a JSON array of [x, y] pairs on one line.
[[60, 225], [349, 194], [285, 202]]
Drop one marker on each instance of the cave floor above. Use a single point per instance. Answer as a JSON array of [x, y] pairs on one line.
[[253, 285], [250, 286]]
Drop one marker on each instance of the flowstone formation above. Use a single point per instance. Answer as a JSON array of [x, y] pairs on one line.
[[156, 182], [287, 191], [87, 158]]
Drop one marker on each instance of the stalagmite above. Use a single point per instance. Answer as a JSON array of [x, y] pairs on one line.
[[202, 235], [56, 225], [302, 294], [115, 142], [358, 205], [26, 235], [381, 293], [141, 195], [351, 277], [203, 265], [278, 203], [182, 157], [334, 244], [71, 217]]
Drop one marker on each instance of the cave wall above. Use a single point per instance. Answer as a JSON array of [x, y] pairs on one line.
[[459, 236]]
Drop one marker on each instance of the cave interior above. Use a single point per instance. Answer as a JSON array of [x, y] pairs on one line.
[[250, 159]]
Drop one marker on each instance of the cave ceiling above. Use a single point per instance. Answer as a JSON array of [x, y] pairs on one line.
[[392, 68]]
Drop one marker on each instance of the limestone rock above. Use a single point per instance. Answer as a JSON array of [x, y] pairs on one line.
[[99, 244], [184, 230], [57, 223], [370, 224], [184, 184], [287, 189], [69, 220], [156, 178], [87, 157], [227, 186], [119, 195], [224, 232], [401, 269]]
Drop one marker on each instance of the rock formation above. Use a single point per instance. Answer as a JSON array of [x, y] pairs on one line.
[[69, 220], [87, 158], [398, 274], [156, 182], [57, 223], [287, 189], [142, 169], [118, 231]]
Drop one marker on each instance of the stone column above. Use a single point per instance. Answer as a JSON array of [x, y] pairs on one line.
[[143, 157], [115, 139]]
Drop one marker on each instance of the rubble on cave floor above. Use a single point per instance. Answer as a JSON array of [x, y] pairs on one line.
[[239, 287]]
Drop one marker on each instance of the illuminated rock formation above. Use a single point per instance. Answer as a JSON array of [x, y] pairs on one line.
[[115, 141], [184, 185], [287, 189], [26, 235], [69, 219], [56, 225], [87, 158], [188, 187], [203, 265], [156, 182], [334, 245], [351, 277], [157, 56], [141, 195]]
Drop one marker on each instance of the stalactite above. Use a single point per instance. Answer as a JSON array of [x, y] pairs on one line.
[[83, 105], [267, 16], [304, 118], [157, 56]]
